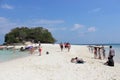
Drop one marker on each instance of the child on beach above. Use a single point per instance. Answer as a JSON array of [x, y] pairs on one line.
[[40, 50]]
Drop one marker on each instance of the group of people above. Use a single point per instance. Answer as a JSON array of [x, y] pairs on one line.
[[32, 49], [99, 52], [110, 61], [65, 45]]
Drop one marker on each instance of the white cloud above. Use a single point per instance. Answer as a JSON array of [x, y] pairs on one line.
[[91, 29], [6, 6], [43, 21], [77, 26]]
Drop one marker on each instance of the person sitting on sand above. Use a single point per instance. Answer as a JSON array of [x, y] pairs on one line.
[[73, 60], [77, 60]]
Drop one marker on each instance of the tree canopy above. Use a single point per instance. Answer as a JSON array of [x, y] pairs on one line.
[[19, 35]]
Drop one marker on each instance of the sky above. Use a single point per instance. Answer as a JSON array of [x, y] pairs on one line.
[[74, 21]]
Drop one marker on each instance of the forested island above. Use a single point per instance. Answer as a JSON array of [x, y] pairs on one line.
[[23, 34]]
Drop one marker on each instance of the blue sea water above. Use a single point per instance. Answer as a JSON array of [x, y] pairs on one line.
[[6, 55]]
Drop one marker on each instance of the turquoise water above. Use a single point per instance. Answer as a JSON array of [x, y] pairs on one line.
[[6, 55]]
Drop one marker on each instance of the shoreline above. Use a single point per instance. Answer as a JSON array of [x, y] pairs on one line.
[[57, 66], [44, 44]]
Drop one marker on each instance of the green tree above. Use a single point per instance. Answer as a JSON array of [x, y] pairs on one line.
[[18, 35]]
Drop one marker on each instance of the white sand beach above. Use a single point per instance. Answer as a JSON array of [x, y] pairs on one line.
[[57, 66]]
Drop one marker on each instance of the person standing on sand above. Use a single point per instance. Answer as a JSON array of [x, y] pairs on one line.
[[61, 46], [39, 43], [110, 61], [95, 52], [99, 54], [68, 46], [103, 51], [40, 50]]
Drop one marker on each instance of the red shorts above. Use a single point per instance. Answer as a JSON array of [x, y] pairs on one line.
[[40, 50]]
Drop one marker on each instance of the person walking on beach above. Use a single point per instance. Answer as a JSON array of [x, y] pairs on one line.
[[110, 61]]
